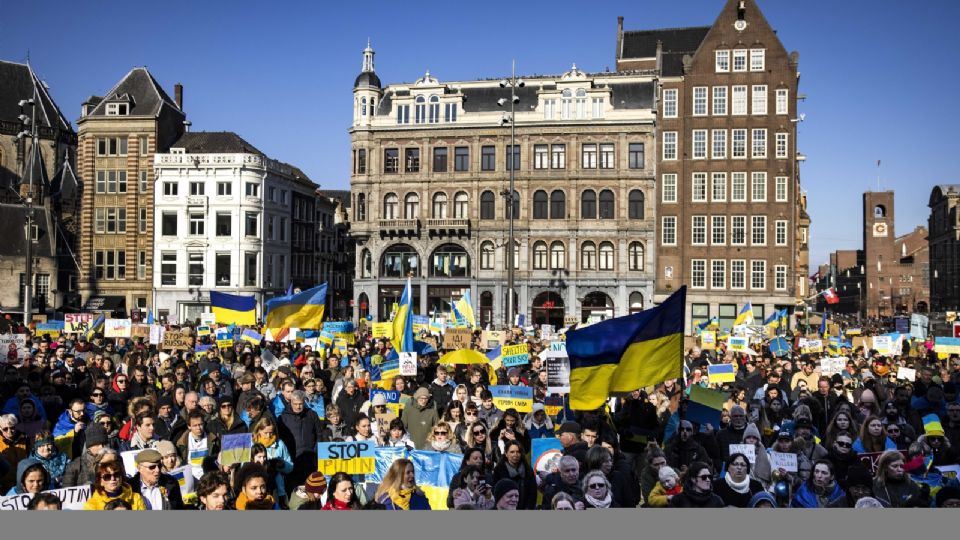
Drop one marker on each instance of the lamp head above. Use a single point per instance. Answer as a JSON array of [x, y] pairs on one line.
[[501, 102], [503, 83]]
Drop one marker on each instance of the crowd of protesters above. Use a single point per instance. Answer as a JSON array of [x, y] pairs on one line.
[[109, 396]]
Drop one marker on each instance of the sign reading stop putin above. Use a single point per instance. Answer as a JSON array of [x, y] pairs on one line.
[[357, 457]]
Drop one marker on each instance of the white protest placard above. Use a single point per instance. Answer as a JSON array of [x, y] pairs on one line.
[[156, 334], [907, 374], [547, 331], [408, 364], [130, 466], [746, 449], [72, 498], [883, 345], [829, 366], [783, 460], [117, 328], [13, 347], [208, 319]]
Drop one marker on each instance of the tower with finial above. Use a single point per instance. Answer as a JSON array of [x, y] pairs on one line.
[[367, 91]]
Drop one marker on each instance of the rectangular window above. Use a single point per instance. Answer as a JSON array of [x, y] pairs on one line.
[[101, 182], [271, 227], [670, 103], [758, 231], [738, 106], [782, 103], [196, 188], [718, 232], [224, 189], [738, 230], [698, 230], [718, 274], [222, 270], [740, 60], [197, 224], [759, 143], [781, 189], [461, 158], [440, 159], [253, 189], [722, 61], [268, 272], [100, 220], [168, 268], [195, 269], [738, 187], [700, 101], [250, 269], [224, 223], [699, 313], [272, 194], [757, 59], [758, 183], [759, 106], [450, 112], [251, 224], [588, 155], [699, 191], [144, 184], [403, 114], [597, 107], [283, 229], [391, 160], [668, 231], [549, 109], [110, 264], [141, 264], [669, 188], [781, 147], [780, 277], [738, 148], [411, 160], [719, 144], [581, 108], [541, 156], [361, 161], [168, 224], [780, 232], [719, 100], [669, 145], [699, 144], [758, 275], [488, 158], [636, 155], [738, 274], [142, 220], [513, 157], [698, 274], [558, 156], [607, 156], [719, 192]]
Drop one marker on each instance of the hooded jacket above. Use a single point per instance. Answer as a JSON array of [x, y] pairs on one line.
[[22, 472]]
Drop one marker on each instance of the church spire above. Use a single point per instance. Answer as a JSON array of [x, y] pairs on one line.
[[368, 58]]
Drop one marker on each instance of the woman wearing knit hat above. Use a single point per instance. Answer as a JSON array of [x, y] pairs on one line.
[[506, 495], [47, 453], [399, 490], [761, 469], [310, 494]]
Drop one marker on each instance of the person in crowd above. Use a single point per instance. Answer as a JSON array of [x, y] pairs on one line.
[[159, 490], [736, 487], [32, 478], [300, 430], [441, 439], [419, 418], [566, 479], [48, 454], [45, 501], [596, 491], [82, 470], [514, 466], [822, 489], [253, 493], [471, 489], [399, 491], [872, 437], [666, 488], [213, 491], [892, 486], [277, 456], [310, 494], [506, 495], [697, 489], [13, 449], [341, 493], [111, 485]]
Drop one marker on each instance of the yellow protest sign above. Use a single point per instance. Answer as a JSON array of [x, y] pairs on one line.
[[357, 457], [382, 330], [348, 337]]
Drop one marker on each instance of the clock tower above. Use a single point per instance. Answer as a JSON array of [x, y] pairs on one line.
[[881, 260]]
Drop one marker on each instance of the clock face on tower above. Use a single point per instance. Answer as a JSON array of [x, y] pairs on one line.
[[879, 229], [740, 25]]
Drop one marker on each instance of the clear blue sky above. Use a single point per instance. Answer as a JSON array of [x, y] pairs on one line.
[[880, 75]]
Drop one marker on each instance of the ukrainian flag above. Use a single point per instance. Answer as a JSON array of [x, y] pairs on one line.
[[233, 309], [403, 321], [745, 316], [301, 310], [626, 353], [773, 321], [784, 318], [434, 472], [97, 326], [465, 308], [496, 362], [823, 324]]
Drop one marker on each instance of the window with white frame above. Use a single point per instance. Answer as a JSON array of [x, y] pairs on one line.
[[738, 100], [758, 184], [718, 274], [699, 190], [558, 156], [722, 60], [144, 184], [719, 100], [738, 230], [196, 188], [718, 182], [566, 104], [700, 101], [142, 264], [450, 112], [142, 220], [758, 231], [668, 230], [738, 145], [698, 230], [224, 189], [780, 232], [669, 186], [780, 277], [739, 60], [541, 156], [605, 259], [759, 143], [781, 189], [699, 144], [782, 103], [759, 104], [588, 155], [738, 274], [738, 187], [719, 144], [781, 146], [597, 107], [253, 189], [195, 269], [758, 275], [670, 103], [669, 145], [558, 256], [698, 274], [197, 224], [757, 59], [581, 104], [168, 268], [718, 230], [403, 114], [549, 109], [607, 155]]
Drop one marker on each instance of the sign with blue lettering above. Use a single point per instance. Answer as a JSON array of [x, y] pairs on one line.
[[513, 397], [392, 396], [357, 457], [338, 326]]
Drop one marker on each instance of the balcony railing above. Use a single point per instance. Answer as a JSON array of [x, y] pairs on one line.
[[399, 227], [448, 227]]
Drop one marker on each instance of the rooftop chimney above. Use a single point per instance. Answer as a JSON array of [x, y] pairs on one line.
[[178, 95]]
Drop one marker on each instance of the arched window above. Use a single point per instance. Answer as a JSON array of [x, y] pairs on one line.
[[540, 255], [879, 211], [439, 205], [366, 264], [636, 204], [361, 213], [558, 205], [488, 205], [487, 255], [635, 255], [434, 109], [450, 260], [411, 206], [390, 206], [606, 204], [558, 256], [636, 302], [461, 205], [399, 261], [363, 106], [606, 256], [515, 206], [540, 204], [420, 110], [588, 204], [588, 256]]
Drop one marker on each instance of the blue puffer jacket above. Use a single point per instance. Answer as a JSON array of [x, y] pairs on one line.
[[806, 498]]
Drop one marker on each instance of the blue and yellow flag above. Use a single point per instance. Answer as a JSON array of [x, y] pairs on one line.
[[233, 309], [626, 353], [784, 318], [301, 310], [434, 472], [745, 316], [496, 362], [403, 321], [773, 321], [97, 326], [823, 324], [465, 308]]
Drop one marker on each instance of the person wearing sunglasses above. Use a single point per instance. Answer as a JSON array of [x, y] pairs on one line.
[[697, 489], [159, 490], [13, 449], [683, 448], [441, 439], [109, 485], [841, 455]]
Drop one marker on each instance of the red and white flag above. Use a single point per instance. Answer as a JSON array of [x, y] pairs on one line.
[[831, 296]]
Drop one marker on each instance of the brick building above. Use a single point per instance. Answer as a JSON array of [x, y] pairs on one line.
[[944, 241]]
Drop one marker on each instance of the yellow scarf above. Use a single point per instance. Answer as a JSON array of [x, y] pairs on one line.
[[268, 442], [401, 497]]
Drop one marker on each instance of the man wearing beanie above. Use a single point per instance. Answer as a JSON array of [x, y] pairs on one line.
[[506, 494], [858, 484], [82, 469], [310, 493]]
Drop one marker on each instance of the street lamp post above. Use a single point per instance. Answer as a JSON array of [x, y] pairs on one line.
[[32, 164], [513, 83]]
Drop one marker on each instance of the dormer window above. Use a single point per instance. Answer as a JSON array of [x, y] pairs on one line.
[[118, 109], [434, 109], [420, 110]]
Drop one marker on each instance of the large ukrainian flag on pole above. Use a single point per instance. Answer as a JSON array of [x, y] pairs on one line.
[[403, 321], [233, 309], [745, 316], [465, 308], [301, 310], [626, 353]]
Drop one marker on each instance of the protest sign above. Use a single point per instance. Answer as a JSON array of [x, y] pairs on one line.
[[338, 326], [705, 406], [175, 340], [431, 341], [553, 405], [558, 371], [408, 364], [811, 346], [156, 334], [559, 346], [52, 329], [570, 320], [708, 340], [208, 319], [129, 464], [140, 331], [783, 460], [236, 448], [251, 336], [392, 396], [515, 355], [870, 459], [721, 373], [918, 326], [947, 345], [77, 323], [513, 397], [203, 331], [356, 457], [491, 339], [746, 449], [202, 347], [457, 338], [545, 456], [382, 330], [737, 344], [907, 374], [71, 498], [547, 331], [829, 366], [116, 328], [347, 337], [13, 347], [421, 323], [883, 345], [184, 477]]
